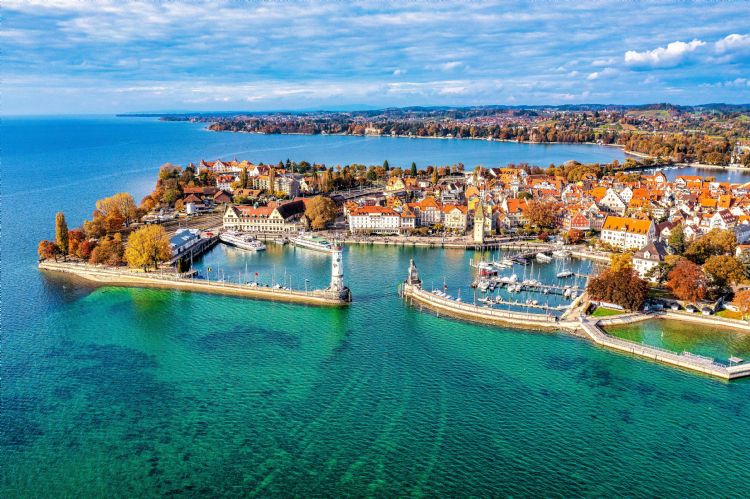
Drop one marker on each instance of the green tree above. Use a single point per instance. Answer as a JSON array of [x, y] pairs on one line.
[[413, 169], [386, 166], [676, 239], [724, 270], [715, 242], [61, 232]]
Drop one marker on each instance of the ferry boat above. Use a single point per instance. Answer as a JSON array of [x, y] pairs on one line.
[[315, 243], [541, 257], [242, 241]]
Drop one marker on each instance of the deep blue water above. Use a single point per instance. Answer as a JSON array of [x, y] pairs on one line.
[[136, 392]]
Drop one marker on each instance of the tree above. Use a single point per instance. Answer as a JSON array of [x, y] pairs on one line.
[[541, 214], [434, 176], [620, 261], [715, 242], [687, 281], [724, 270], [76, 237], [109, 250], [118, 207], [325, 182], [85, 249], [148, 245], [386, 166], [742, 301], [61, 232], [676, 239], [413, 169], [622, 287], [321, 211], [243, 177], [47, 250]]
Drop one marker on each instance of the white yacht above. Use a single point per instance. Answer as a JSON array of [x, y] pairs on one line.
[[561, 253], [564, 273], [312, 242], [541, 257], [242, 241]]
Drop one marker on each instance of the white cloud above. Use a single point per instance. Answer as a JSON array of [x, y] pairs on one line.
[[604, 73], [669, 56], [447, 66], [733, 42], [398, 72]]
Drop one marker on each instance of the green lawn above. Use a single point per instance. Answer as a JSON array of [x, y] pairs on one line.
[[728, 314], [605, 312]]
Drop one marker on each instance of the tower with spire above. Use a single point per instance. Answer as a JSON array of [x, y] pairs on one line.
[[479, 221]]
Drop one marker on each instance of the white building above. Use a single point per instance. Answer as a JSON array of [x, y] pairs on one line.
[[627, 233], [649, 257], [375, 219]]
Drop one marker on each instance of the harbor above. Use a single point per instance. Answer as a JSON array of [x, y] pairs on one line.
[[247, 284], [538, 317]]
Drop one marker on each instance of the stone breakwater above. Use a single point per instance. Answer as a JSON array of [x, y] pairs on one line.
[[588, 328], [416, 296], [684, 360], [123, 277]]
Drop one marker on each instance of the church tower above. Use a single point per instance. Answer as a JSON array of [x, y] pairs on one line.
[[479, 221]]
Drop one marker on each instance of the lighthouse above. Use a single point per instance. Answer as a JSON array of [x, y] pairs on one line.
[[337, 271]]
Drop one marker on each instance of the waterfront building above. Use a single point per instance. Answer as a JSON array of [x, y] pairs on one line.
[[183, 240], [649, 257], [283, 217], [374, 219], [627, 233], [456, 218]]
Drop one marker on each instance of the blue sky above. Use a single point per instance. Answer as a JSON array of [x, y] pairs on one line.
[[68, 57]]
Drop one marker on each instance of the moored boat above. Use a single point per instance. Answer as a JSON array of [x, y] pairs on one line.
[[242, 241], [541, 257], [311, 242]]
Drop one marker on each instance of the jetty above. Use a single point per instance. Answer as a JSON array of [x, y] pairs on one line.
[[335, 295], [588, 327], [412, 292]]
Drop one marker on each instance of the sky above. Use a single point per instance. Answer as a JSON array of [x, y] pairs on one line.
[[100, 56]]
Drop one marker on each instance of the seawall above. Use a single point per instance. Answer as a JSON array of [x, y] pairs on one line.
[[129, 278], [416, 296]]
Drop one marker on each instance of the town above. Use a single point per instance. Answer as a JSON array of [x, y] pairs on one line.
[[661, 244]]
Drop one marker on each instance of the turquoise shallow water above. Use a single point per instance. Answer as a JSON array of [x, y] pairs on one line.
[[715, 342], [129, 392]]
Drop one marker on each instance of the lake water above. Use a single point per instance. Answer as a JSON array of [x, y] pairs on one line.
[[135, 392], [715, 342]]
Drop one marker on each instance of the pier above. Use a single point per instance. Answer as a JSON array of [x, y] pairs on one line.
[[336, 295], [196, 250], [411, 291], [684, 360]]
